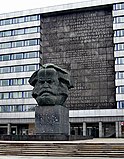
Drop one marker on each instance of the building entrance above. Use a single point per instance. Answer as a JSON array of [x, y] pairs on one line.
[[93, 130]]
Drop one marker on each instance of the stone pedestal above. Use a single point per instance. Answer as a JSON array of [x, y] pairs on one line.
[[52, 120]]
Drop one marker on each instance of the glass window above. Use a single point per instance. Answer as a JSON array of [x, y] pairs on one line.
[[18, 44], [31, 54], [31, 30], [21, 20], [15, 95], [5, 82], [6, 57], [29, 68], [17, 81], [27, 94], [5, 70], [26, 81], [119, 61], [33, 18], [2, 108], [6, 95], [120, 89], [1, 95], [119, 75], [1, 34], [17, 69], [5, 45], [122, 6], [17, 56], [15, 20], [1, 58], [18, 32], [31, 42], [18, 108], [118, 6], [119, 47], [7, 33], [120, 104], [7, 21]]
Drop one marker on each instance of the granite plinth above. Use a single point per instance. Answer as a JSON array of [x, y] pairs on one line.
[[51, 120]]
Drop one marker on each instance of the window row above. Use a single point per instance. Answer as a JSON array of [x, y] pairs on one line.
[[19, 56], [19, 31], [119, 61], [119, 75], [120, 89], [17, 108], [119, 33], [118, 19], [20, 43], [14, 82], [119, 47], [15, 95], [120, 104], [118, 6], [22, 68], [19, 20]]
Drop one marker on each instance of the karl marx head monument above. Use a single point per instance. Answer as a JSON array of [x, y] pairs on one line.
[[51, 84]]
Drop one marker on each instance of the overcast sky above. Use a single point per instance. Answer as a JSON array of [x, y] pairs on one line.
[[18, 5]]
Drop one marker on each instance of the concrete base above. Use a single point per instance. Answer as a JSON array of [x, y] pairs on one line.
[[52, 120]]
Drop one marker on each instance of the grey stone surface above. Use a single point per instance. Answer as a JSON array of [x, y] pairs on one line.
[[82, 42], [52, 120]]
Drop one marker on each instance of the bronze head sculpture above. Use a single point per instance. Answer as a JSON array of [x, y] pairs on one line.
[[51, 84]]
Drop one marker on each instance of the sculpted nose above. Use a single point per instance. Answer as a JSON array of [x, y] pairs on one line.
[[45, 85]]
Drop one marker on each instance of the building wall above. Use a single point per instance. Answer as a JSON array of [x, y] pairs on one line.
[[82, 42], [118, 26]]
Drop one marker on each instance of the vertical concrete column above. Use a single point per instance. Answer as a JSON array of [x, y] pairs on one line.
[[69, 129], [100, 129], [117, 129], [8, 129], [84, 129]]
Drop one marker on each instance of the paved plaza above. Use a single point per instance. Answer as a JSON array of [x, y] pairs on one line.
[[102, 140], [39, 157]]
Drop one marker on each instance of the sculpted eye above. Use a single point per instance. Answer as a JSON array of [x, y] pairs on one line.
[[41, 81], [49, 81]]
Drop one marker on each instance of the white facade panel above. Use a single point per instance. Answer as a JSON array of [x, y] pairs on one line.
[[15, 88], [17, 115], [96, 113], [20, 62], [20, 49], [117, 13], [119, 82], [16, 75], [119, 97], [118, 26], [119, 67], [17, 101], [20, 37], [118, 40], [20, 25], [119, 53]]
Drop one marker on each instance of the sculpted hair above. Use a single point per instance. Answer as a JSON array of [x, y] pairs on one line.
[[63, 75]]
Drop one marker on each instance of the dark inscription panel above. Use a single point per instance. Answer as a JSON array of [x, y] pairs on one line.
[[82, 42]]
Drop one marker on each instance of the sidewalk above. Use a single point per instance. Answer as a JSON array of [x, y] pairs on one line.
[[38, 157], [96, 140]]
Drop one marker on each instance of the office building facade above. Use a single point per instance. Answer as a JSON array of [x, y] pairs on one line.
[[85, 38]]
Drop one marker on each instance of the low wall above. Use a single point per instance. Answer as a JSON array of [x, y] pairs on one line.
[[45, 137]]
